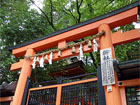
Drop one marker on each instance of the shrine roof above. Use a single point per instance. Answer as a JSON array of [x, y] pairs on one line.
[[128, 69], [7, 89]]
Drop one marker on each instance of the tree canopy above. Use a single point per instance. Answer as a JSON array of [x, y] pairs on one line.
[[19, 23]]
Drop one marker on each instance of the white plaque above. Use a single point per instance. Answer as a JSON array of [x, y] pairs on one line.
[[107, 70]]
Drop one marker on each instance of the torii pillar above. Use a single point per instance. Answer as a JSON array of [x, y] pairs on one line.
[[114, 97], [25, 73]]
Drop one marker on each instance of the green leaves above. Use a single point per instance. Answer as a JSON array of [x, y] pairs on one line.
[[128, 51], [18, 24]]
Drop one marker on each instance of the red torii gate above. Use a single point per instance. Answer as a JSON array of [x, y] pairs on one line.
[[107, 22]]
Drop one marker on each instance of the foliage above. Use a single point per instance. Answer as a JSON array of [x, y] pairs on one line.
[[19, 23]]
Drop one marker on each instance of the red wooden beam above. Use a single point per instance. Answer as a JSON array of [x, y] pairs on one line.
[[6, 99], [65, 54], [117, 39], [126, 37], [129, 83], [90, 29], [17, 65]]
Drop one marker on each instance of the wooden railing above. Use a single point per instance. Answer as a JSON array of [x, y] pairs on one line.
[[6, 100]]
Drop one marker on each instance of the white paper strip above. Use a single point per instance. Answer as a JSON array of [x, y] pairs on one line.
[[50, 58], [95, 46], [109, 88], [81, 55], [41, 62], [46, 57], [34, 63], [37, 59]]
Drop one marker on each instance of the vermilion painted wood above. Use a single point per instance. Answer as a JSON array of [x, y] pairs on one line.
[[126, 37], [11, 103], [5, 99], [59, 88], [130, 83], [17, 65], [113, 97], [127, 83], [64, 54], [58, 97], [83, 31], [117, 39], [62, 44], [65, 84], [25, 73], [123, 95]]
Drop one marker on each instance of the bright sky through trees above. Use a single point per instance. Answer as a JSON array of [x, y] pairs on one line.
[[39, 3], [22, 21]]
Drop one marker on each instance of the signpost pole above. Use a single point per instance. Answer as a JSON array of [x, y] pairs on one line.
[[113, 97]]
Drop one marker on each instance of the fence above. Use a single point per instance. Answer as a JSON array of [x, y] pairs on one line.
[[5, 103], [133, 95], [6, 100], [83, 92]]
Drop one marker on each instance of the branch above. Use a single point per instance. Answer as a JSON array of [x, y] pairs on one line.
[[70, 13], [45, 16], [80, 3], [51, 11], [91, 10], [107, 5], [92, 57], [78, 9]]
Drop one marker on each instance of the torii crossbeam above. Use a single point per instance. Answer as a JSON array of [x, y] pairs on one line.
[[120, 17]]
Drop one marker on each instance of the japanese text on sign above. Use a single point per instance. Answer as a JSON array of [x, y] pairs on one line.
[[107, 69]]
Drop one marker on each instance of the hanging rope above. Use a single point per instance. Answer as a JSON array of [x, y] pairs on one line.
[[69, 46]]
